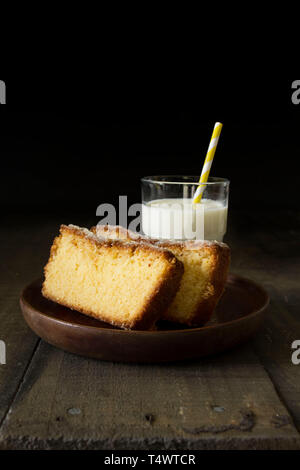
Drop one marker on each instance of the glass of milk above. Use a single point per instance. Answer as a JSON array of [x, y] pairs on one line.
[[168, 211]]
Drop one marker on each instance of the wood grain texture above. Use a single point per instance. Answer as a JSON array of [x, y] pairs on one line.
[[270, 254], [67, 401], [245, 399], [16, 265]]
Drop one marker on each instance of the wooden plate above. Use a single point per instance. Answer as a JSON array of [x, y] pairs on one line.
[[238, 316]]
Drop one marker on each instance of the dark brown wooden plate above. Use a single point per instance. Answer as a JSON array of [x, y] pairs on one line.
[[238, 316]]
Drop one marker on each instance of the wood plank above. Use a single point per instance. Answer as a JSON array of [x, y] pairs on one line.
[[16, 262], [24, 248], [273, 345], [270, 254], [66, 401]]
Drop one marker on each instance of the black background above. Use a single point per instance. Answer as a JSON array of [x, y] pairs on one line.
[[66, 148]]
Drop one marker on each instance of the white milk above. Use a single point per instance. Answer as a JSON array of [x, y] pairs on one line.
[[180, 219]]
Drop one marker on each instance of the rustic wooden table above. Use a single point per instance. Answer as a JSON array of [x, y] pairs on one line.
[[248, 398]]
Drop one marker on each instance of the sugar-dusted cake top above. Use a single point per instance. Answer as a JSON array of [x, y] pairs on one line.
[[117, 231], [97, 237], [84, 230]]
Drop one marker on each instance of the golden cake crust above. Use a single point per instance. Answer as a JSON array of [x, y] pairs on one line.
[[218, 276], [153, 307]]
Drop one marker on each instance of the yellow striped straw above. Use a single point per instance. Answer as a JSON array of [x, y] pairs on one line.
[[208, 162]]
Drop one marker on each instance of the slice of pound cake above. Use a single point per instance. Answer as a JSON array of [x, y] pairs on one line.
[[206, 265], [127, 284]]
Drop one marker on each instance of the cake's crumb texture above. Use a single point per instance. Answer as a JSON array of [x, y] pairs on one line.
[[124, 283]]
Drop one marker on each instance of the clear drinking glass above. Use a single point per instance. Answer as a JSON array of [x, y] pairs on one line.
[[168, 211]]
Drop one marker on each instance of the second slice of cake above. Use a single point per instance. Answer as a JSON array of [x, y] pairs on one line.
[[127, 284], [206, 265]]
